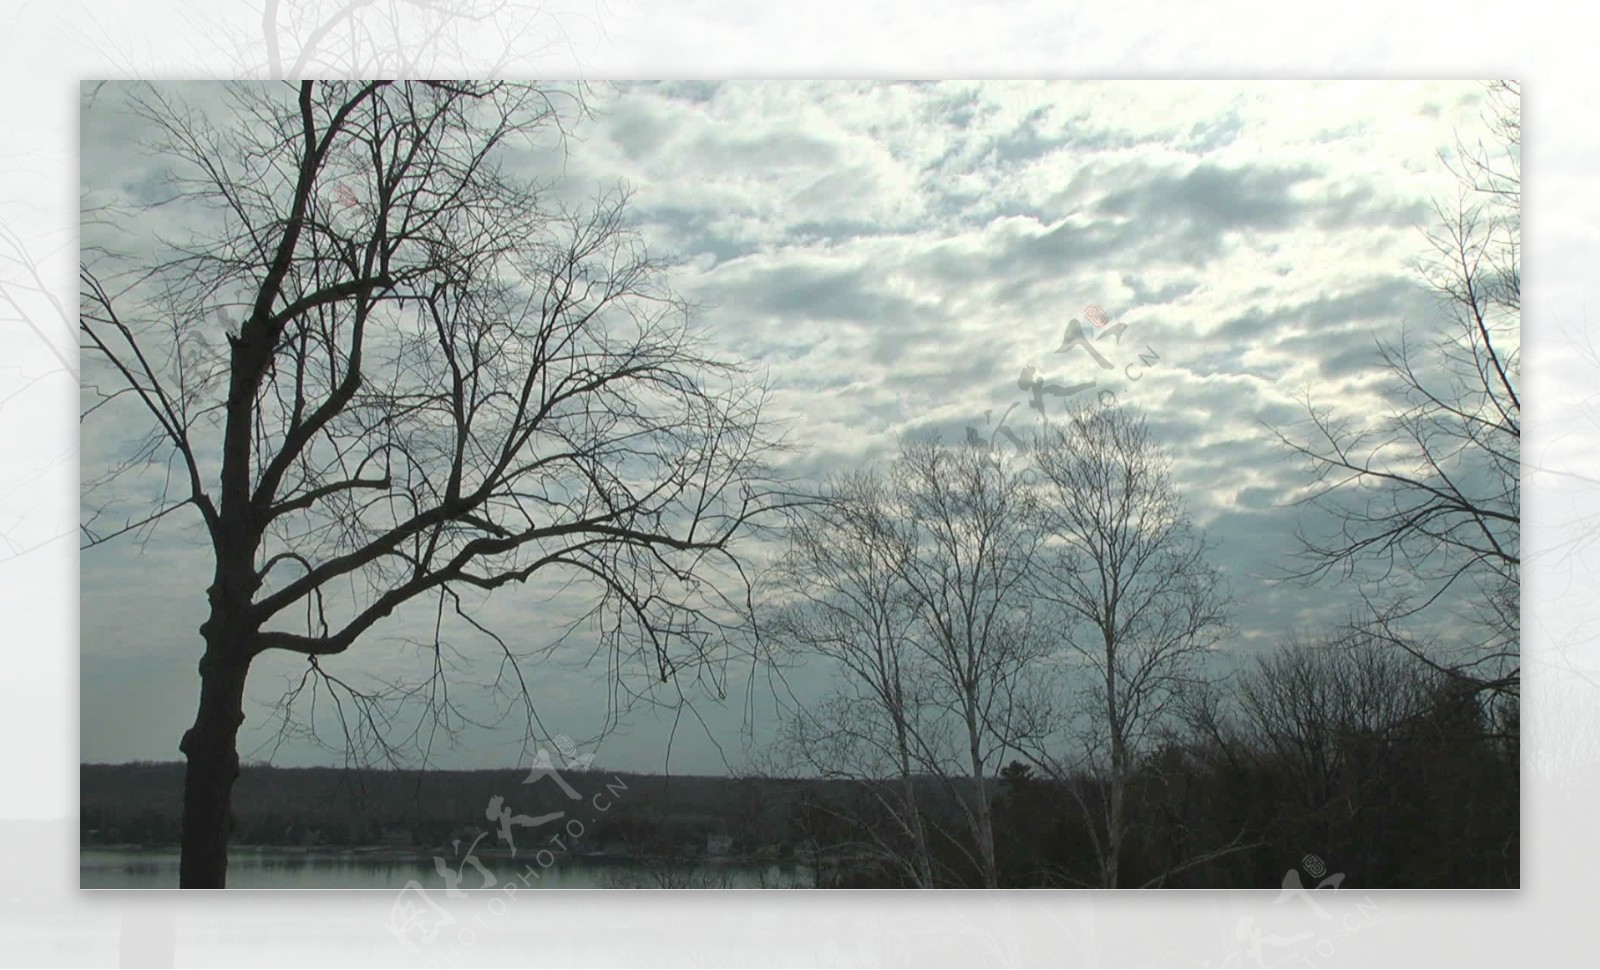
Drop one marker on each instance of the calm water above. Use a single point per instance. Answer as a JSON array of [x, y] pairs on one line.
[[158, 869]]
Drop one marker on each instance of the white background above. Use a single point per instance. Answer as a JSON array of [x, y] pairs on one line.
[[45, 919]]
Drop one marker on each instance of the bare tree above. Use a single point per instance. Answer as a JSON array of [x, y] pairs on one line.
[[910, 582], [1371, 749], [882, 813], [1425, 497], [1309, 703], [359, 38], [434, 379], [1140, 605], [971, 518], [29, 304], [352, 39], [846, 601]]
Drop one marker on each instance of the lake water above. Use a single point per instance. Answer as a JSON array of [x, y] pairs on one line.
[[158, 869]]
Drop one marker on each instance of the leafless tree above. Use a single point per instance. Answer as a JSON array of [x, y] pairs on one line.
[[431, 378], [1139, 606], [1324, 710], [971, 518], [353, 39], [910, 581], [845, 600], [29, 304], [1307, 696], [848, 736], [406, 38], [1425, 496]]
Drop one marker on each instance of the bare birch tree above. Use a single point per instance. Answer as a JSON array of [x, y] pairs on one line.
[[975, 541], [910, 581], [1140, 606], [847, 602]]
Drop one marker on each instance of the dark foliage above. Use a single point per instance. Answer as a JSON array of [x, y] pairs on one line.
[[1430, 799]]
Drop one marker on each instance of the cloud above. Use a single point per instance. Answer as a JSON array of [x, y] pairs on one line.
[[1213, 197], [892, 256]]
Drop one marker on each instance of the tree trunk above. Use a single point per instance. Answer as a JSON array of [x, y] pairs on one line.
[[1114, 820], [211, 747], [1119, 762], [991, 870], [919, 835]]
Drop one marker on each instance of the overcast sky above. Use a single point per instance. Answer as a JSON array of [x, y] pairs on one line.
[[895, 255]]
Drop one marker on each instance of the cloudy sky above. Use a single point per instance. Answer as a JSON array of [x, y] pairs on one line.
[[895, 255]]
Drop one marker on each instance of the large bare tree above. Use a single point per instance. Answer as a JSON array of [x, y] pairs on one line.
[[1424, 497], [1139, 605], [384, 367]]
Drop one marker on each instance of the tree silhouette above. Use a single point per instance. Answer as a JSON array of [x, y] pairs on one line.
[[383, 367], [844, 598], [1426, 495], [1139, 604], [907, 582]]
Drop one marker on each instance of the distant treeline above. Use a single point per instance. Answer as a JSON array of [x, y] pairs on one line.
[[1431, 806], [140, 803]]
